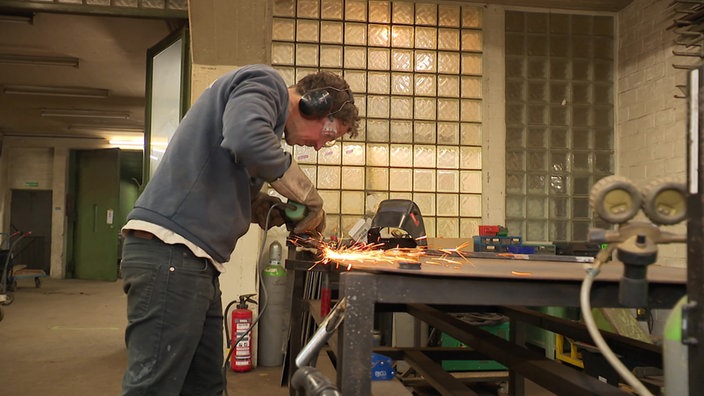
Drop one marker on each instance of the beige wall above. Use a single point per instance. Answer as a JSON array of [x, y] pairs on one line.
[[493, 130], [650, 122], [230, 32], [30, 168]]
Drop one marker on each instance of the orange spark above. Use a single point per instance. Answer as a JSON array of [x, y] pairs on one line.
[[332, 252], [521, 273]]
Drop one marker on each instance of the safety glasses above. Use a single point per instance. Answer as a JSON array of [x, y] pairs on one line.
[[329, 132]]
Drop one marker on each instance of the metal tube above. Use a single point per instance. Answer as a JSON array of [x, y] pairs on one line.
[[321, 336]]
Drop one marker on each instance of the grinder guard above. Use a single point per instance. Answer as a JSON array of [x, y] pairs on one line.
[[402, 214]]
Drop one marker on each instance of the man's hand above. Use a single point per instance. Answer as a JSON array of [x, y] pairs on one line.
[[314, 221], [295, 185], [261, 204]]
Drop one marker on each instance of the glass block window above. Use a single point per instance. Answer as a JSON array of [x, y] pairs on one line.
[[559, 121], [416, 73]]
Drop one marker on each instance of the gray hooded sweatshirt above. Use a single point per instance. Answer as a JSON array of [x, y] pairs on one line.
[[221, 153]]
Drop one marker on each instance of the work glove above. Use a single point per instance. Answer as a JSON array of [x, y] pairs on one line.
[[296, 186], [261, 204]]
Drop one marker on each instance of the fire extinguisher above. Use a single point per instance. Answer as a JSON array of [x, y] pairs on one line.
[[241, 357]]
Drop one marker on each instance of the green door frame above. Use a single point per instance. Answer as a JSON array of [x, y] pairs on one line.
[[163, 78], [97, 204]]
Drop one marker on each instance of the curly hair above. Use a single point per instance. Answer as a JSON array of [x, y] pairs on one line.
[[343, 102]]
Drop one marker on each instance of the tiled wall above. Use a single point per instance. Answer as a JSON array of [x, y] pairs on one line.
[[651, 138], [416, 73], [559, 121], [383, 49]]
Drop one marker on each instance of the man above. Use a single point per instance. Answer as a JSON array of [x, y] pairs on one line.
[[198, 203]]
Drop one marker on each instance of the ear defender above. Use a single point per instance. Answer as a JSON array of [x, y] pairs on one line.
[[315, 103]]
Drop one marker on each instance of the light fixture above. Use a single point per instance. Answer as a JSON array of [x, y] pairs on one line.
[[85, 113], [39, 60], [106, 128], [18, 18], [126, 143], [55, 91]]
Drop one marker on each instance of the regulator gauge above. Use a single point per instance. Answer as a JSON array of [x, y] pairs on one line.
[[615, 199]]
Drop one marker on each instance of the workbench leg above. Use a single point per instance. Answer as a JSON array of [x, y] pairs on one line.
[[297, 320], [517, 334], [355, 342]]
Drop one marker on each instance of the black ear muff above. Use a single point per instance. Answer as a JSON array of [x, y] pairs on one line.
[[315, 103]]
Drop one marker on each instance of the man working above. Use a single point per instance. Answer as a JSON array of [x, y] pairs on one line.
[[201, 200]]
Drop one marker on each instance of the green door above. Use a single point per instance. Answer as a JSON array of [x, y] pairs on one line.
[[97, 200]]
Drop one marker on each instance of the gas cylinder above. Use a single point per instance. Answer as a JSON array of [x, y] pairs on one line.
[[675, 354], [272, 323], [241, 359]]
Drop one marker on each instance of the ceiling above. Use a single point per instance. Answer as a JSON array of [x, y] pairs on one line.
[[105, 56]]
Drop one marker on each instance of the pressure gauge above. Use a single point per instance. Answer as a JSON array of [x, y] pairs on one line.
[[615, 199], [665, 201]]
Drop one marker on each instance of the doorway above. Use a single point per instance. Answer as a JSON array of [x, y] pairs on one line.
[[95, 232], [31, 213], [104, 185]]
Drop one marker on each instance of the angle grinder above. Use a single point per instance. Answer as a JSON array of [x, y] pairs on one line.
[[295, 211]]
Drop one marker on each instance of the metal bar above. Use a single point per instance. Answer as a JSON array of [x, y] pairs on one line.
[[685, 67], [441, 380], [298, 308], [683, 53], [309, 293], [552, 376], [434, 353], [466, 377], [649, 354], [492, 291], [695, 230], [326, 329], [314, 310]]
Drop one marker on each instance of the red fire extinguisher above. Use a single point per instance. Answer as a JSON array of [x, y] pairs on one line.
[[241, 357]]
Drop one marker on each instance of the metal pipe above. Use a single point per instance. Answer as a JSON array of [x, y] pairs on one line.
[[321, 336]]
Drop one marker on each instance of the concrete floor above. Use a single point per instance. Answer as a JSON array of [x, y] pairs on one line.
[[67, 338]]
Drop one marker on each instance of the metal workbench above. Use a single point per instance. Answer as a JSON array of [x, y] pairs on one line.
[[508, 284]]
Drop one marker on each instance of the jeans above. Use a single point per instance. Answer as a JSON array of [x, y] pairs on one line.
[[174, 333]]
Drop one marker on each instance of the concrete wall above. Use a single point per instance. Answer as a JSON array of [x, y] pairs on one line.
[[650, 122]]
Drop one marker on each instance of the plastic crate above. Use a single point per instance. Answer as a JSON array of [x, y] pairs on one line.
[[521, 249], [587, 249], [489, 230], [500, 330], [541, 248], [497, 244], [532, 249]]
